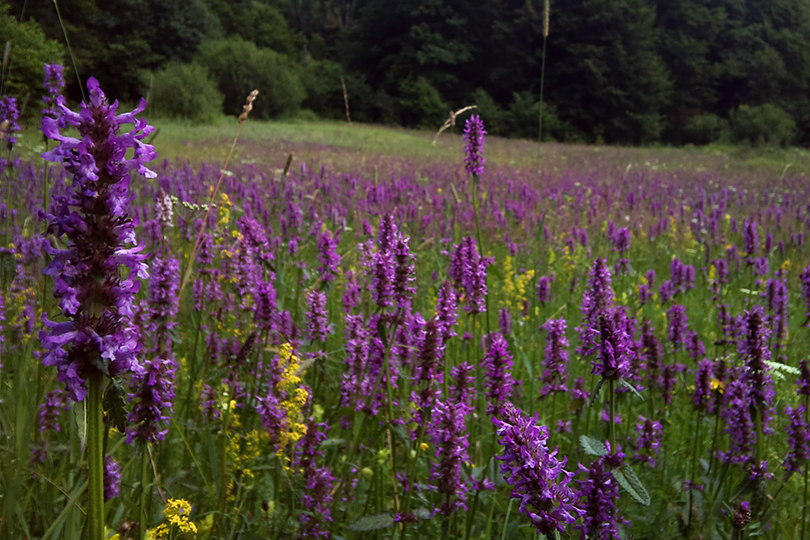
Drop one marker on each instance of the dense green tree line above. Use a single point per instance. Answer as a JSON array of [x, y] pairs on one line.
[[618, 71]]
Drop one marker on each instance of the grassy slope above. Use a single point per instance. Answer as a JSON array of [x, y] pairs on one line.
[[332, 142]]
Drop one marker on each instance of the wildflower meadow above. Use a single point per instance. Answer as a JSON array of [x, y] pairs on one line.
[[392, 347]]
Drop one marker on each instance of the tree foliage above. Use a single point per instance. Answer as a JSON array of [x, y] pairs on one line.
[[618, 71]]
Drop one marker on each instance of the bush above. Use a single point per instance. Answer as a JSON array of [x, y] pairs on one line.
[[421, 104], [762, 125], [30, 51], [705, 129], [185, 91], [321, 80], [522, 119], [489, 111], [238, 66]]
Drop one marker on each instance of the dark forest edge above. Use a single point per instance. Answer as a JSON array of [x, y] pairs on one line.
[[618, 71]]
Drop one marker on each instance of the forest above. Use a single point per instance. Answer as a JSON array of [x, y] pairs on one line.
[[605, 71]]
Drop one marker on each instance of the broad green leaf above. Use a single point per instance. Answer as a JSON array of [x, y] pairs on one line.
[[592, 447], [373, 522], [115, 406], [626, 477]]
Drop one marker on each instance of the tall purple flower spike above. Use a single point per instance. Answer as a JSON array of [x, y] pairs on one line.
[[95, 275], [474, 136]]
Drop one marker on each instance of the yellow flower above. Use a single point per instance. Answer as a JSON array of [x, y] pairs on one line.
[[177, 513], [296, 398]]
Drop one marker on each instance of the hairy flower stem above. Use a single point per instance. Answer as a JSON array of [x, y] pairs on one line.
[[144, 520], [804, 495], [480, 239], [693, 465], [471, 515], [612, 408], [95, 455]]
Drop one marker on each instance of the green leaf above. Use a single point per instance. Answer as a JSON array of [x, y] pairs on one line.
[[373, 522], [626, 477], [595, 393], [80, 410], [783, 367], [631, 388], [115, 406], [592, 447]]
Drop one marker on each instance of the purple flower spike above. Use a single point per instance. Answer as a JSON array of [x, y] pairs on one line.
[[328, 255], [555, 363], [597, 496], [54, 85], [499, 381], [95, 275], [448, 433], [798, 439], [316, 317], [154, 399], [112, 478], [474, 136], [538, 478]]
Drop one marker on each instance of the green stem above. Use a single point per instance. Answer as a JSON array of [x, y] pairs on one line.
[[804, 495], [95, 456], [612, 408], [693, 466], [143, 502], [480, 241]]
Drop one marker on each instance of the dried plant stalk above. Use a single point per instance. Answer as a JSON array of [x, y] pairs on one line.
[[451, 121]]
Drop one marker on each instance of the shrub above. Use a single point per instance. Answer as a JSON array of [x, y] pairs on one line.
[[238, 66], [421, 104], [29, 51], [762, 125], [321, 79], [705, 129], [490, 112], [185, 91], [523, 117]]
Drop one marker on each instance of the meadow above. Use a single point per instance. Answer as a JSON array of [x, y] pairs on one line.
[[349, 332]]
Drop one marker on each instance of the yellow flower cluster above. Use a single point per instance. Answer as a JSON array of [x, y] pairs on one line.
[[224, 210], [515, 285], [176, 513], [296, 398]]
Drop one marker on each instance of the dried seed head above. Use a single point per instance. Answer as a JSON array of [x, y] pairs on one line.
[[248, 106]]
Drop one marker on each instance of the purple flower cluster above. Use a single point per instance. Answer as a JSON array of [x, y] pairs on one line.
[[9, 127], [597, 495], [538, 478], [798, 439], [648, 442], [448, 433], [468, 270], [499, 381], [328, 255], [474, 136], [597, 298], [753, 347], [316, 317], [54, 84], [154, 398], [112, 478], [316, 497], [555, 363], [614, 345], [93, 217]]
